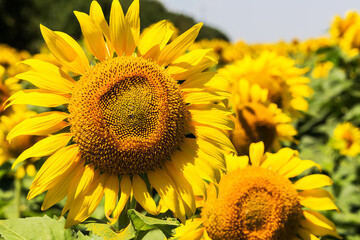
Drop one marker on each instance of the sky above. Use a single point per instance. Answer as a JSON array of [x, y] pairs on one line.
[[265, 20]]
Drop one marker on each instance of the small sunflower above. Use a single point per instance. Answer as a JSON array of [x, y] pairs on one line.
[[346, 139], [143, 117], [257, 200], [257, 120], [278, 74], [218, 45], [346, 32], [7, 87], [340, 25], [9, 57]]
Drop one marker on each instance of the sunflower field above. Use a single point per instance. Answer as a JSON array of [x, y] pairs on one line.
[[132, 122]]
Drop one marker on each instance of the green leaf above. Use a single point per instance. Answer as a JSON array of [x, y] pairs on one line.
[[34, 228], [106, 232], [154, 234], [143, 223]]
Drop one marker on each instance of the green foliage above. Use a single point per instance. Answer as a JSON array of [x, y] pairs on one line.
[[140, 227], [144, 224], [37, 228], [335, 100]]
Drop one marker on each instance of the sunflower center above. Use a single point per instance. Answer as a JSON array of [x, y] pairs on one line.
[[130, 110], [254, 123], [349, 139], [253, 203], [127, 116]]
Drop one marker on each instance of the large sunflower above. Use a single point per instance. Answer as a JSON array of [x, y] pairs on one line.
[[257, 200], [278, 74], [257, 120], [143, 117]]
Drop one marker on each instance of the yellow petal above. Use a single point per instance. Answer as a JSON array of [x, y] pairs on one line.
[[155, 39], [37, 97], [319, 219], [256, 153], [188, 228], [204, 64], [184, 188], [202, 97], [306, 235], [120, 32], [192, 153], [142, 195], [213, 117], [57, 165], [93, 35], [301, 167], [47, 76], [214, 136], [58, 46], [191, 173], [125, 191], [187, 61], [59, 191], [167, 190], [177, 47], [277, 160], [88, 176], [211, 153], [78, 173], [234, 162], [318, 224], [199, 80], [45, 147], [66, 50], [41, 124], [83, 207], [313, 181], [111, 191], [133, 18], [97, 14], [317, 199]]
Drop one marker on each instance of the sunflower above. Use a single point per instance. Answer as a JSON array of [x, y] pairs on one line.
[[257, 200], [9, 57], [278, 74], [7, 87], [257, 120], [340, 25], [322, 69], [346, 32], [346, 139], [218, 45], [144, 117]]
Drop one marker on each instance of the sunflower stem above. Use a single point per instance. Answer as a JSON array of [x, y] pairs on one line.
[[124, 220], [17, 197]]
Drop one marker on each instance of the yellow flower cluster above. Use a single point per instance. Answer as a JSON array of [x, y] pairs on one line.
[[128, 116]]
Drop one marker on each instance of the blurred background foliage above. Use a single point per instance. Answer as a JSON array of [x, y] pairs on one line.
[[20, 19]]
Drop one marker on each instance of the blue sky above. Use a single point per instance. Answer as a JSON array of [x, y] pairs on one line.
[[265, 20]]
